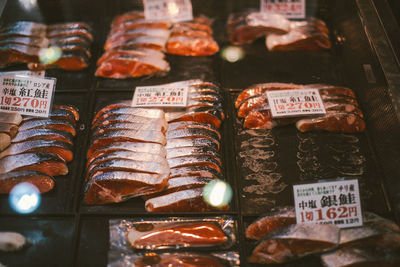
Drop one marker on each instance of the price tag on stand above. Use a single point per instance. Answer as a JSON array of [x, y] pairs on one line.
[[170, 10], [26, 95], [336, 202], [25, 73], [168, 95], [291, 9], [298, 102]]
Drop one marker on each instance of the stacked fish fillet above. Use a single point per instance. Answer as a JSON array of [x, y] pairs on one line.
[[135, 46], [28, 42], [342, 111], [40, 150], [281, 34], [166, 157]]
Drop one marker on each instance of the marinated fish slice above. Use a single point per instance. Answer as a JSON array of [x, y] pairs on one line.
[[193, 151], [376, 221], [193, 133], [177, 259], [68, 48], [348, 257], [122, 37], [10, 118], [151, 148], [190, 200], [131, 15], [71, 108], [127, 136], [295, 241], [209, 96], [142, 112], [197, 24], [70, 32], [111, 106], [184, 142], [191, 234], [14, 53], [5, 141], [63, 150], [11, 241], [259, 119], [139, 23], [128, 165], [369, 236], [146, 41], [198, 114], [192, 124], [127, 118], [10, 129], [60, 114], [27, 28], [191, 46], [9, 180], [61, 125], [77, 40], [139, 156], [298, 40], [122, 67], [261, 227], [131, 51], [194, 160], [335, 90], [68, 25], [333, 122], [118, 186], [130, 126], [47, 163], [25, 40], [72, 60], [188, 32], [204, 90], [201, 171]]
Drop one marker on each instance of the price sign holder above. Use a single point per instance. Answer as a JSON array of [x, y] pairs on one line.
[[329, 202], [291, 9], [169, 10], [27, 95], [296, 102], [163, 96]]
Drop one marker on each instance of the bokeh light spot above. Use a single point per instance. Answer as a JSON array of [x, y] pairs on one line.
[[24, 198], [217, 193]]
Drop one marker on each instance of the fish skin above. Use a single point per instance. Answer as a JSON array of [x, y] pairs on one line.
[[63, 150], [128, 165], [118, 186], [43, 134], [190, 200], [127, 135], [203, 171], [111, 106], [194, 160], [198, 114], [151, 148], [142, 112], [42, 181], [47, 163], [61, 125], [69, 25], [212, 97], [288, 243], [70, 32], [191, 234], [130, 119], [342, 122], [10, 117], [193, 151], [185, 142], [68, 107], [9, 129], [115, 126], [5, 141], [139, 156], [59, 114], [283, 216], [192, 124], [193, 133]]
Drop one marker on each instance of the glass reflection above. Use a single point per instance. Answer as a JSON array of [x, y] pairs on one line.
[[232, 53]]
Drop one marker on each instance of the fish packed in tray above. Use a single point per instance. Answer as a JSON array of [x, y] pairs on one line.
[[281, 34], [41, 46], [37, 148], [135, 46], [342, 111], [165, 156], [281, 240]]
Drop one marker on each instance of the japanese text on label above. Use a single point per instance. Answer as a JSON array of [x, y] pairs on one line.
[[160, 96], [336, 202], [297, 102], [26, 95], [171, 10], [291, 9]]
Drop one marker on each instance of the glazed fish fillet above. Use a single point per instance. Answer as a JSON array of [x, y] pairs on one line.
[[42, 181]]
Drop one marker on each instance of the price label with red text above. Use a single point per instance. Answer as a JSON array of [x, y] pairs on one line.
[[336, 202], [298, 102], [26, 95], [160, 96], [170, 10], [291, 9]]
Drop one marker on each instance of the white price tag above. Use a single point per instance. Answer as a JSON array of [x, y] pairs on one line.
[[291, 9], [297, 102], [167, 95], [336, 202], [26, 95], [170, 10], [25, 73]]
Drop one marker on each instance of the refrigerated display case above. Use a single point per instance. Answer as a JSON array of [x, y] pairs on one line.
[[64, 231]]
